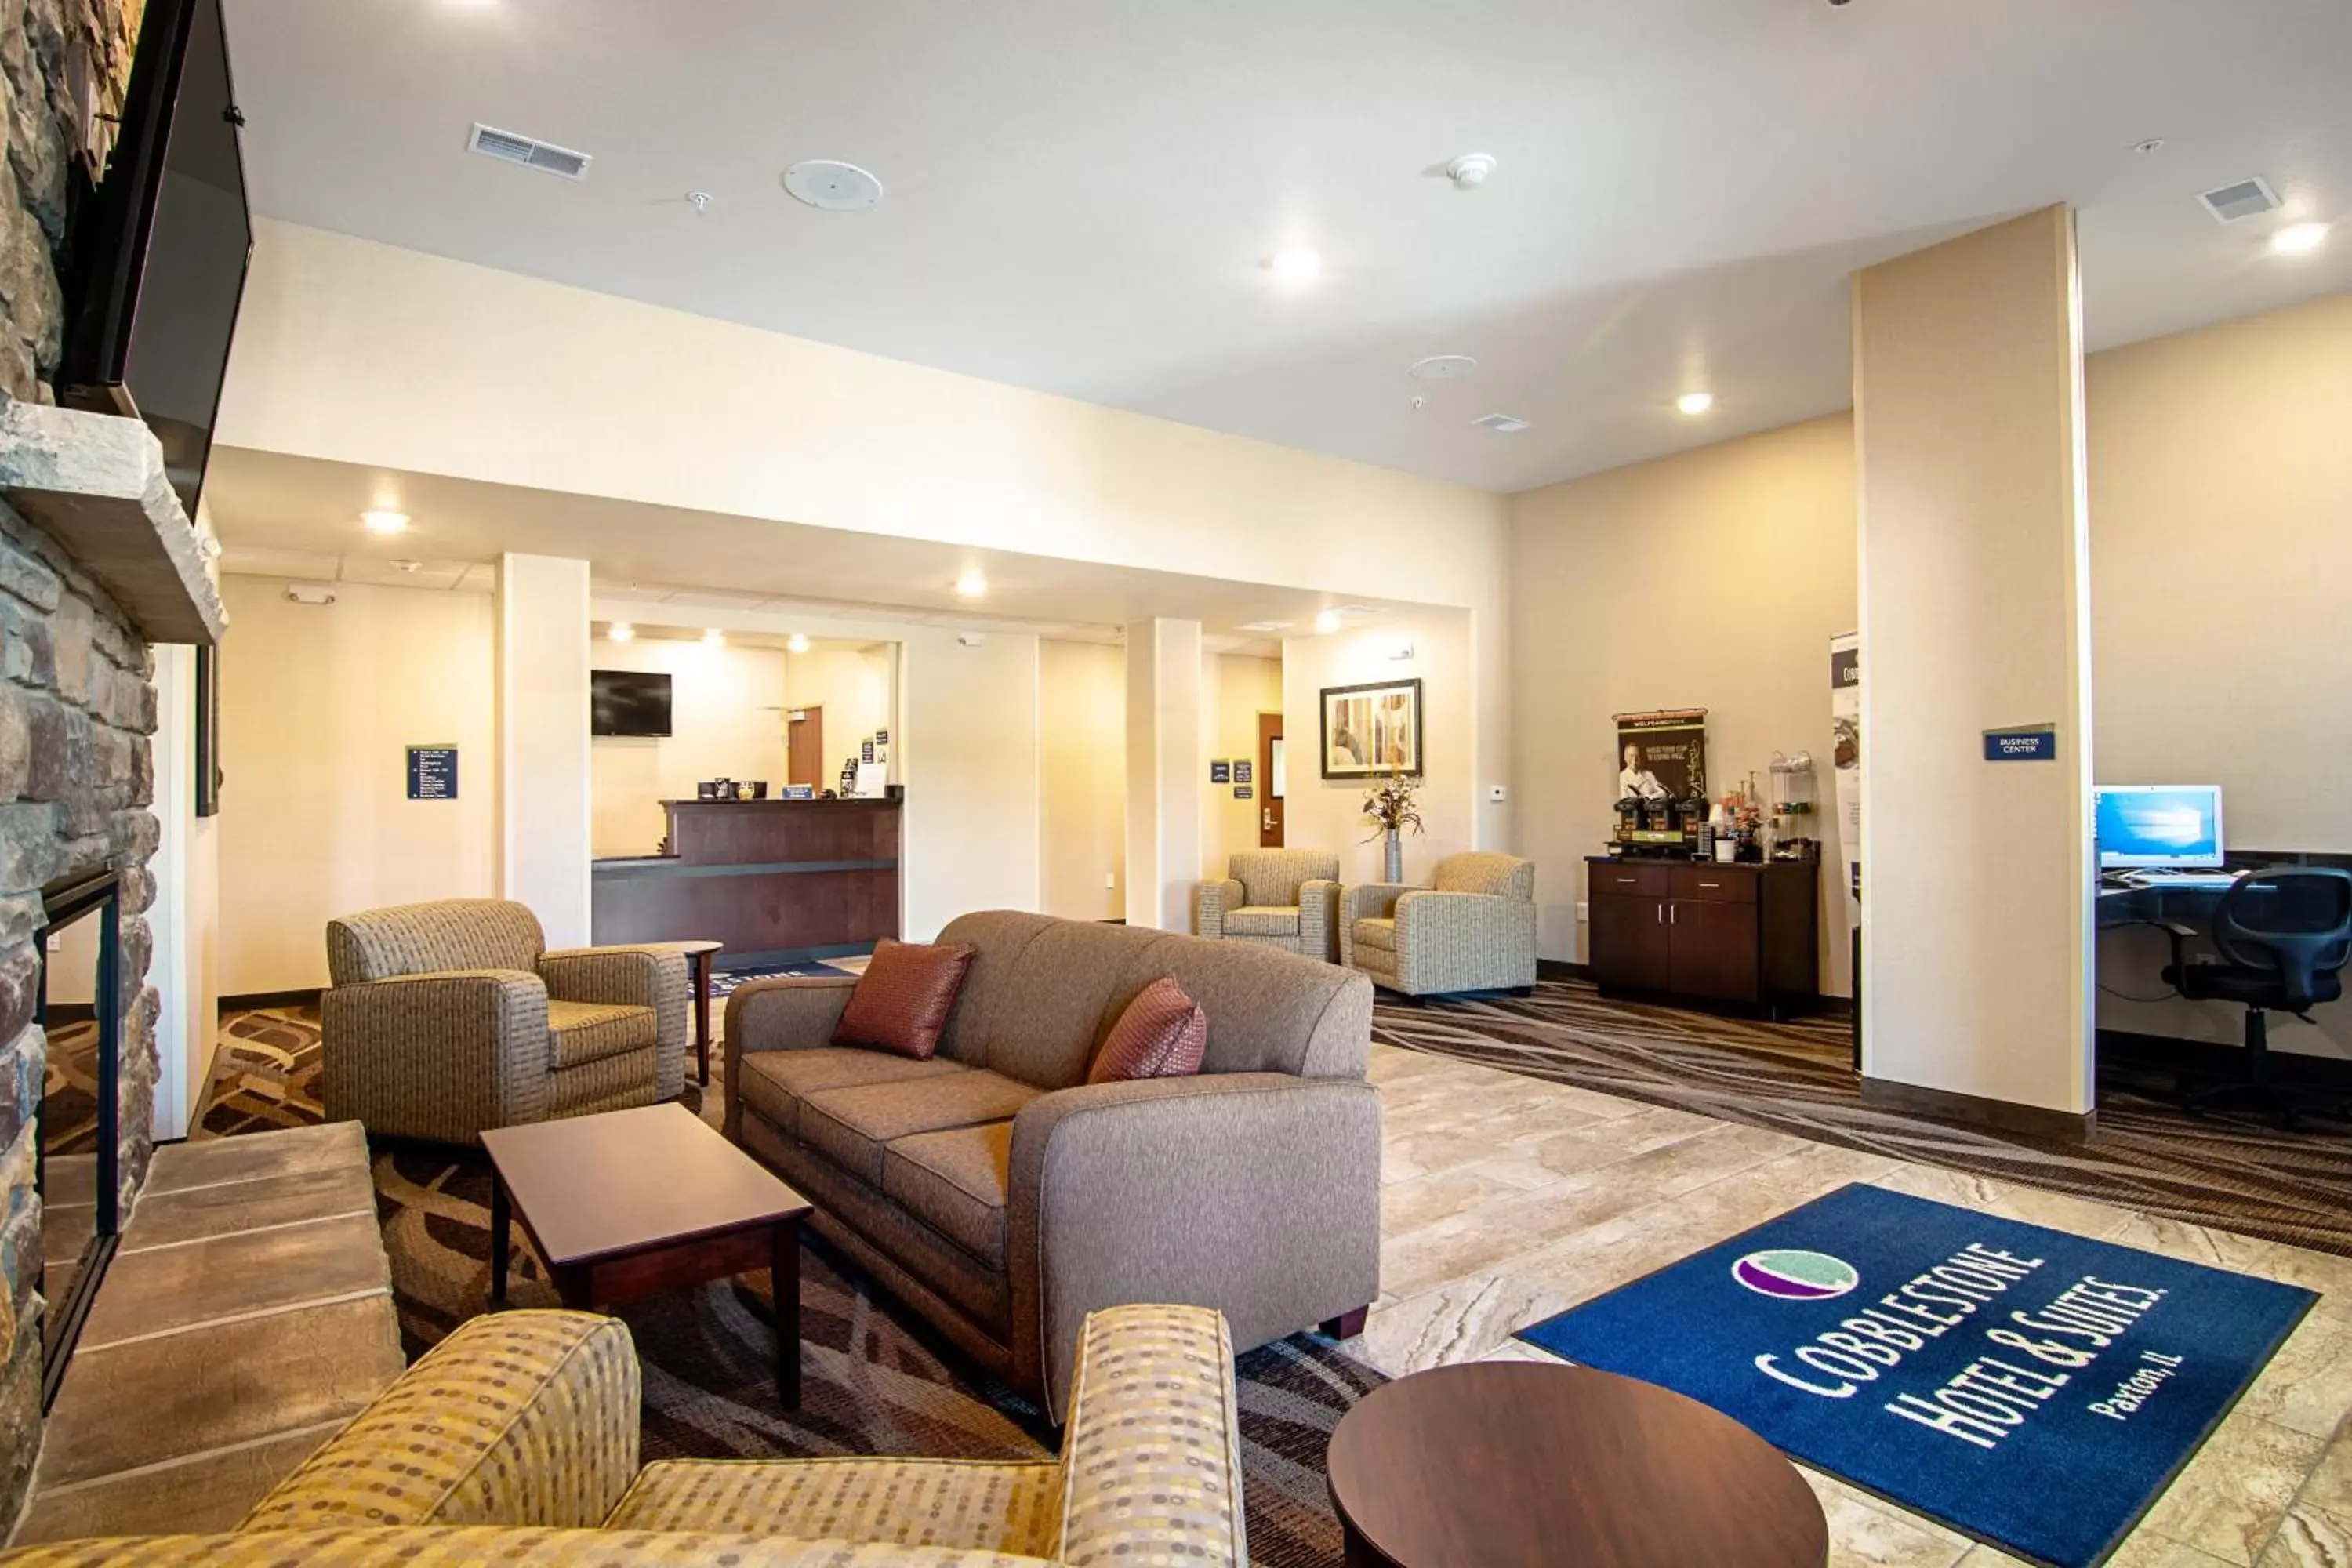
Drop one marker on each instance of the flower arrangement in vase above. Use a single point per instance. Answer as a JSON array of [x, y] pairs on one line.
[[1389, 807]]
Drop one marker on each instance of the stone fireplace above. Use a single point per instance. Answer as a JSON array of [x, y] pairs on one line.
[[95, 564]]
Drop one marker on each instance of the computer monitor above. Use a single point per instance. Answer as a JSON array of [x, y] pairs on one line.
[[2158, 824]]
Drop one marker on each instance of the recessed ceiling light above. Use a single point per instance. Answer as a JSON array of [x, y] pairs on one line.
[[971, 584], [1264, 626], [833, 187], [383, 520], [1694, 403], [1328, 622], [1296, 264], [714, 638], [2299, 239], [1442, 367], [796, 643], [621, 631]]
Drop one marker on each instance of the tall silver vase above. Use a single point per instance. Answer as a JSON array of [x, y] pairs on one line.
[[1392, 856]]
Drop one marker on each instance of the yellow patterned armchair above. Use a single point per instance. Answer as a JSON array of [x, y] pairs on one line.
[[514, 1441], [447, 1019]]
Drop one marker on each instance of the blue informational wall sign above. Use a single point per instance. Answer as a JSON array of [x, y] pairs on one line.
[[2028, 744], [432, 772], [1221, 773], [1242, 769], [1242, 792]]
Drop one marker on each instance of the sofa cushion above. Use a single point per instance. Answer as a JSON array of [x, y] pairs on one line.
[[1160, 1034], [851, 1126], [773, 1083], [1380, 934], [1260, 920], [949, 1504], [903, 999], [579, 1033], [955, 1181]]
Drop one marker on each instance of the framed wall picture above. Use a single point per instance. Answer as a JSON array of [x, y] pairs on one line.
[[1372, 730]]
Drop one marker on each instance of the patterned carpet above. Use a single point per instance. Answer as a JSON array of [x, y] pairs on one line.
[[877, 1380], [2237, 1174]]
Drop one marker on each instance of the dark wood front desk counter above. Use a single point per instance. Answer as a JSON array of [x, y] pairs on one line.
[[776, 880]]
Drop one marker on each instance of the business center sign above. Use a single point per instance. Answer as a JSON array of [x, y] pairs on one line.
[[2031, 1387]]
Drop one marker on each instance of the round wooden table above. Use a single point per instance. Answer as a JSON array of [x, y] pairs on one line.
[[1501, 1464]]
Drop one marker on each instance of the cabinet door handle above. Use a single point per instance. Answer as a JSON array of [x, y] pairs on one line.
[[1710, 884], [1627, 881], [1674, 914], [1661, 914]]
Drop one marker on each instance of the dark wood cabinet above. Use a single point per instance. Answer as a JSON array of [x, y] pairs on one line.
[[1742, 934]]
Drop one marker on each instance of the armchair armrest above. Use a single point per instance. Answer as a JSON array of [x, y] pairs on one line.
[[1364, 901], [1464, 942], [1152, 1458], [1319, 916], [436, 1056], [517, 1418], [1210, 904], [652, 977], [1257, 1194]]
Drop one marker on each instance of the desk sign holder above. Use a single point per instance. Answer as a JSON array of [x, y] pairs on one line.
[[2023, 743], [432, 772]]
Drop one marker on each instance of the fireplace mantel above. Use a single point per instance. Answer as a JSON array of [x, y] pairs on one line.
[[96, 483]]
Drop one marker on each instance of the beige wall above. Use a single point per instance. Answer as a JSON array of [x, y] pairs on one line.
[[318, 706], [853, 686], [2222, 601], [545, 816], [970, 762], [1713, 580], [1081, 755], [1321, 814], [726, 712], [1235, 688]]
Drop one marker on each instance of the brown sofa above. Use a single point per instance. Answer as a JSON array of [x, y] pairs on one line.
[[997, 1193]]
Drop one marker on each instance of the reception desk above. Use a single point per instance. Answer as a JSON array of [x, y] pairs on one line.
[[776, 880]]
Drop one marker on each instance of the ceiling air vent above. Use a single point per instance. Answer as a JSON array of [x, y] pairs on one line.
[[1502, 424], [544, 156], [2228, 203]]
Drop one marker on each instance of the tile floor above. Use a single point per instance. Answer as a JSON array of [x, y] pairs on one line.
[[1508, 1199]]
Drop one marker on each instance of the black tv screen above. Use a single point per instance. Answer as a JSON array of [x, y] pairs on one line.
[[157, 252], [628, 702]]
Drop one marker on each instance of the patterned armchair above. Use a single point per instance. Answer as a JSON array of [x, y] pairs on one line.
[[1275, 898], [1475, 931], [447, 1018], [514, 1441]]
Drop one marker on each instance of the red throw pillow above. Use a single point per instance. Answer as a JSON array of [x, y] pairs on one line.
[[903, 999], [1163, 1033]]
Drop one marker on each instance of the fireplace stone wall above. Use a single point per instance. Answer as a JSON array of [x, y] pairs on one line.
[[77, 694]]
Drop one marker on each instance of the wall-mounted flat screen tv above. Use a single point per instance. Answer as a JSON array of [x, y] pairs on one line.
[[156, 251], [628, 702]]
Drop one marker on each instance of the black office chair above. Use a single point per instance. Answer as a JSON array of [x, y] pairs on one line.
[[2283, 936]]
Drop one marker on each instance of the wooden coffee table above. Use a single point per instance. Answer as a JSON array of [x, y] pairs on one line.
[[1510, 1463], [635, 1203]]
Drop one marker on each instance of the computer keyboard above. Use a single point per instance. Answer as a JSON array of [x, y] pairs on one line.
[[2191, 880]]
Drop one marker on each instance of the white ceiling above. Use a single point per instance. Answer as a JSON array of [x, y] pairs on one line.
[[294, 518], [1081, 195]]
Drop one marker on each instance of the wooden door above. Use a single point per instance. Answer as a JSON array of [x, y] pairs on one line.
[[1270, 781], [1713, 949], [1630, 942], [804, 747]]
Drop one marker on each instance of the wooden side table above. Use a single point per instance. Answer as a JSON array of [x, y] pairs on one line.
[[698, 955], [634, 1203], [1513, 1465]]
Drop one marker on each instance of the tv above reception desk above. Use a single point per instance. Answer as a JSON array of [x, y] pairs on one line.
[[778, 881]]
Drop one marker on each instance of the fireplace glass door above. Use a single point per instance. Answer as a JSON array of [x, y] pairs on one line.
[[81, 1016]]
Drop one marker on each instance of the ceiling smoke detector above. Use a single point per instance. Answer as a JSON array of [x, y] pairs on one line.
[[1442, 367], [1470, 171], [2247, 198], [1501, 424], [528, 152], [832, 186]]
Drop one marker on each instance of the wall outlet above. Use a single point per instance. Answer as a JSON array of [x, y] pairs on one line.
[[1583, 914], [1497, 794], [1110, 880]]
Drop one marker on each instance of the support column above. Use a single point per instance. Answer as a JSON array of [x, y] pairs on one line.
[[1163, 772], [1977, 875], [542, 782]]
